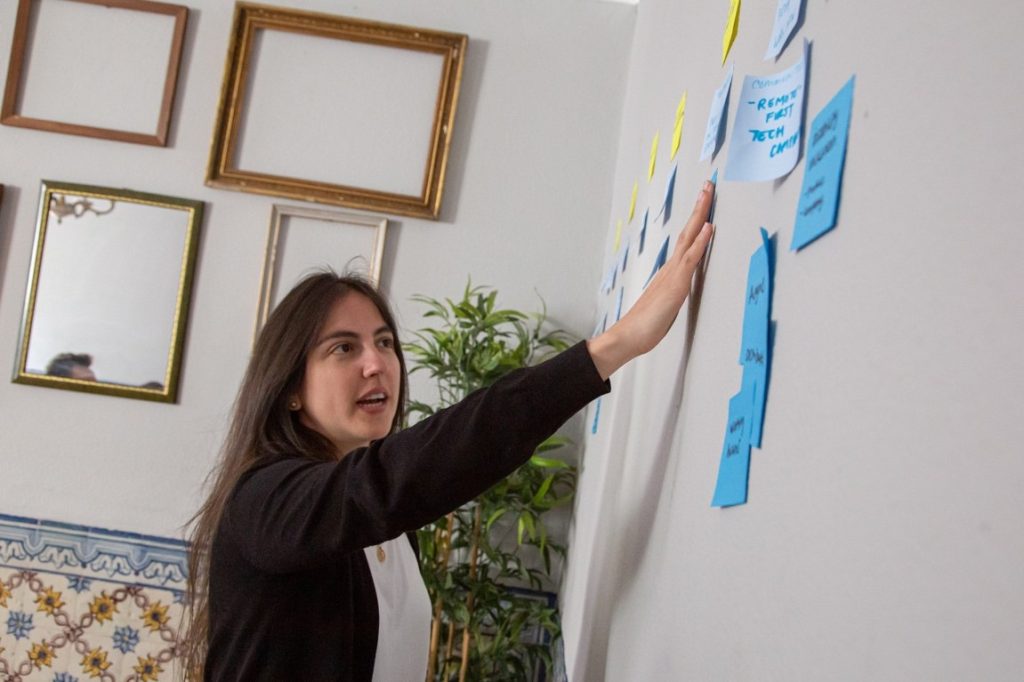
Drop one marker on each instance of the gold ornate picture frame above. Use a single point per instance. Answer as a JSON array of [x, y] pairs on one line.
[[302, 240], [375, 137], [119, 85], [108, 295]]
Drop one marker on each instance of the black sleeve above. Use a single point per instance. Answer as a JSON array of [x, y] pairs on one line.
[[296, 514]]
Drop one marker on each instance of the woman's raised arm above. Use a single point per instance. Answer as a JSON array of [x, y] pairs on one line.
[[650, 318]]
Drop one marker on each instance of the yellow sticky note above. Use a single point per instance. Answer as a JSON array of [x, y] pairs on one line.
[[730, 28], [654, 156], [618, 235], [632, 203], [677, 131]]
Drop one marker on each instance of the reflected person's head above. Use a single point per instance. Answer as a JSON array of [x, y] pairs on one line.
[[72, 366], [327, 372]]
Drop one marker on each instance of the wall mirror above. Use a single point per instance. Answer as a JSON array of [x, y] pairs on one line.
[[375, 136], [303, 239], [108, 291]]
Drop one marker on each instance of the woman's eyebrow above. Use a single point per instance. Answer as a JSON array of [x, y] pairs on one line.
[[346, 334]]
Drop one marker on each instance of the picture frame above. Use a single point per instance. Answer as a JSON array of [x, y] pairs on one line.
[[375, 138], [96, 320], [304, 239], [121, 83]]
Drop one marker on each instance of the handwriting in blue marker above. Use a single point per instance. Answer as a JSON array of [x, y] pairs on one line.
[[597, 416], [766, 135], [823, 173], [618, 305]]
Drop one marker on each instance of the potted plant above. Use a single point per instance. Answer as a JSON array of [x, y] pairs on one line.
[[474, 559]]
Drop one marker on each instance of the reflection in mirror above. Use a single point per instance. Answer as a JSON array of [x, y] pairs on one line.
[[108, 293]]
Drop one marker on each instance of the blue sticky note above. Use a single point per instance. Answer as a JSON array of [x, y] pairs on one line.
[[823, 173], [714, 133], [734, 466], [755, 385], [597, 416], [643, 232], [756, 307], [768, 128], [618, 305], [714, 199], [666, 208], [787, 16], [607, 284], [755, 350], [659, 261]]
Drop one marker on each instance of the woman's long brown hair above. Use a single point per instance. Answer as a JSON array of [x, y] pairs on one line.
[[263, 429]]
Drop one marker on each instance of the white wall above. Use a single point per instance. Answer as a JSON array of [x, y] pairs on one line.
[[883, 537], [527, 197]]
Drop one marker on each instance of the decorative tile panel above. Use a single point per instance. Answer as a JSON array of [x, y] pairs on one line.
[[79, 603]]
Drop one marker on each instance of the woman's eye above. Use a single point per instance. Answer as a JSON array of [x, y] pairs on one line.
[[387, 342], [342, 348]]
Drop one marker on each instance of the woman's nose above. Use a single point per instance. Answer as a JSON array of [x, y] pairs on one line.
[[374, 362]]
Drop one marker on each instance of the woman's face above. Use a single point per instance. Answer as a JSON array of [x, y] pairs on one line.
[[349, 392]]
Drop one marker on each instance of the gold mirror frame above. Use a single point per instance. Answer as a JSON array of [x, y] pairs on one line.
[[53, 204], [222, 170]]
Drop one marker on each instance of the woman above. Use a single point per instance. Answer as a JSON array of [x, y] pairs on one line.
[[302, 568]]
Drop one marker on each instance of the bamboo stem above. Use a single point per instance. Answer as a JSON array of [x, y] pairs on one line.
[[450, 644], [444, 541], [469, 599]]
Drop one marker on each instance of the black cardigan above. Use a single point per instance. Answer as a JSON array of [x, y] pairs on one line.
[[291, 596]]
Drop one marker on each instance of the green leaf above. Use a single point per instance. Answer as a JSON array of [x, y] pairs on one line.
[[543, 489], [548, 463]]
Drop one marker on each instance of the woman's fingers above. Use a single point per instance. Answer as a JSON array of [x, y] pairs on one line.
[[691, 257], [652, 315], [699, 216]]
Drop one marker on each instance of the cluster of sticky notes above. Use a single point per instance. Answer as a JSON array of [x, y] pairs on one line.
[[746, 408], [823, 169], [765, 141]]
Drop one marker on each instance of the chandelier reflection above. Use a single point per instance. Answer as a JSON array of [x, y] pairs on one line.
[[62, 208]]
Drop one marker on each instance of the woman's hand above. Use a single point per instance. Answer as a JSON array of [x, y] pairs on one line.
[[651, 317]]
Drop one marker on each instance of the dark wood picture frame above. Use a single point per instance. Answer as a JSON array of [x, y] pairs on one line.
[[10, 109]]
